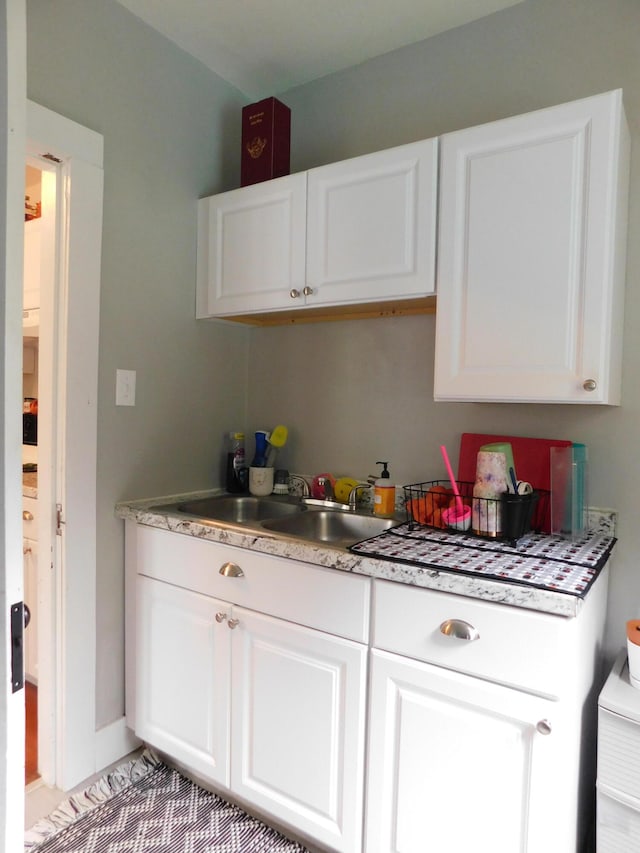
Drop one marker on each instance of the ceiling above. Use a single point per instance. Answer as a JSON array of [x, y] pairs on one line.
[[265, 47]]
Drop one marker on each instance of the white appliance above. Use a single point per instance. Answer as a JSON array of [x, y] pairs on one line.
[[618, 779]]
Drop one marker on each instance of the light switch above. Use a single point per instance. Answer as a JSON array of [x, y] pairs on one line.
[[125, 387]]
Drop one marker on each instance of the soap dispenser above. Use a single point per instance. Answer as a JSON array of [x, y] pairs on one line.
[[384, 494]]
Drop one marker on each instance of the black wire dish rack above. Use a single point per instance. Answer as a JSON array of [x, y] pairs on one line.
[[507, 517]]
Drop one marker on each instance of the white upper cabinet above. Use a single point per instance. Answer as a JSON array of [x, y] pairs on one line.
[[531, 256], [371, 226], [251, 248], [355, 232]]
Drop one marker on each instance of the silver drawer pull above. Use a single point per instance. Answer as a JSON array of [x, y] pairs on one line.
[[459, 629], [544, 727], [233, 623], [220, 616], [231, 570], [26, 515]]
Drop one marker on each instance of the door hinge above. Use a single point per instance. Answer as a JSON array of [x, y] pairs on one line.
[[17, 646], [59, 520]]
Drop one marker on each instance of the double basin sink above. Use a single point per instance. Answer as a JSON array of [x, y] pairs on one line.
[[284, 516]]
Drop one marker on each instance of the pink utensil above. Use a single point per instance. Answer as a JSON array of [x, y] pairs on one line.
[[458, 516]]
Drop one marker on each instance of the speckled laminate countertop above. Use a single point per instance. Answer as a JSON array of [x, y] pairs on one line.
[[266, 542]]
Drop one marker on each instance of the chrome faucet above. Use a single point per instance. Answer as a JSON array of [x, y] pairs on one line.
[[353, 494]]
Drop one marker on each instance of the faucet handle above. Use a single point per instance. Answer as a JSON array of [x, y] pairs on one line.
[[306, 491], [327, 488]]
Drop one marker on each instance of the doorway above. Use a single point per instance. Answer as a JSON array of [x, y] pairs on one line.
[[38, 276], [69, 157]]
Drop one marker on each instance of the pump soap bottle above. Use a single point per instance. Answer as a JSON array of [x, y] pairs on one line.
[[384, 494]]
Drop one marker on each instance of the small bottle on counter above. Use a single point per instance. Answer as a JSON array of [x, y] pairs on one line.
[[237, 480], [384, 494]]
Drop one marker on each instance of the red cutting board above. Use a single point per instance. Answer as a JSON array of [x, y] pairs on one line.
[[531, 458]]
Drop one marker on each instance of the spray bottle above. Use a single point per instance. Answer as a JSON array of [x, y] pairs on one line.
[[384, 494]]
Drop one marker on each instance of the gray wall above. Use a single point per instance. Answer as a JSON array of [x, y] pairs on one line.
[[171, 134], [351, 392], [360, 391]]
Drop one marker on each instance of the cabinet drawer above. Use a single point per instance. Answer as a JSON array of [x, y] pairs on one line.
[[29, 518], [618, 825], [514, 646], [619, 753], [320, 598]]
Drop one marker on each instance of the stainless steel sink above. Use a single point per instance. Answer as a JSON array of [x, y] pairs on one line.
[[287, 516], [330, 527], [235, 509]]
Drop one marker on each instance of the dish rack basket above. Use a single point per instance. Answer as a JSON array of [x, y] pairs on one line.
[[507, 517]]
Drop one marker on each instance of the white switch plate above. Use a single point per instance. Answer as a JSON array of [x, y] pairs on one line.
[[125, 387]]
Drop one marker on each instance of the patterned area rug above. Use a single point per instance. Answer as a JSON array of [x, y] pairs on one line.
[[146, 806]]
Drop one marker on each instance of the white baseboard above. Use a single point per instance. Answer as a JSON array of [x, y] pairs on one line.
[[113, 742]]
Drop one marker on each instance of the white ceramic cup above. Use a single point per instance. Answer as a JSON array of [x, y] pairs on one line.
[[260, 481]]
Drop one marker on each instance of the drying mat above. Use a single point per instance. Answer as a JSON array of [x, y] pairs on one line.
[[546, 562], [146, 806]]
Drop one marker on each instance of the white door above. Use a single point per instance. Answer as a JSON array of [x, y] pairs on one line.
[[67, 434], [298, 714], [531, 253], [457, 763], [251, 248], [12, 135], [371, 226], [183, 650]]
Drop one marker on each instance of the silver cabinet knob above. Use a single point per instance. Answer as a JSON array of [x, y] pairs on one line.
[[233, 623], [26, 515], [544, 727], [231, 570], [220, 616], [308, 291], [589, 384], [294, 293], [459, 629]]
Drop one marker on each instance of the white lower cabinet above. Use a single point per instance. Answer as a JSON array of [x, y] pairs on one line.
[[481, 724], [456, 763], [30, 580], [355, 712], [271, 710]]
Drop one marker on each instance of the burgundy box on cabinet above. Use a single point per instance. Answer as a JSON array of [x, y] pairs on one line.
[[266, 141]]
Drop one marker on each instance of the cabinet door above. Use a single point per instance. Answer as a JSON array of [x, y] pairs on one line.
[[456, 763], [371, 226], [531, 255], [182, 673], [298, 699], [30, 563], [251, 248]]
